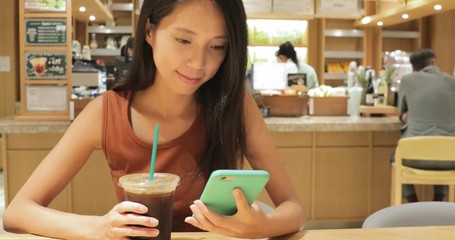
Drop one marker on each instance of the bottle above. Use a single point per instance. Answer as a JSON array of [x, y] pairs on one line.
[[93, 43], [369, 92], [383, 90]]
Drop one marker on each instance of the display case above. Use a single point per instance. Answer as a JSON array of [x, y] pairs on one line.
[[343, 43]]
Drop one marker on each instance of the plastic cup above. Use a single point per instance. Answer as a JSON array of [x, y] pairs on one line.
[[157, 195]]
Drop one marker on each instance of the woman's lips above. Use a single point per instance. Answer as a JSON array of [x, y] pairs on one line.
[[187, 79]]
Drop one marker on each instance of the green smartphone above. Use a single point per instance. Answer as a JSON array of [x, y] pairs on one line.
[[217, 194]]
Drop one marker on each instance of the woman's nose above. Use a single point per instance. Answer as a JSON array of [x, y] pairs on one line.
[[198, 59]]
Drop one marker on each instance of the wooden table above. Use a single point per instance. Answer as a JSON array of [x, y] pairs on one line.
[[408, 233]]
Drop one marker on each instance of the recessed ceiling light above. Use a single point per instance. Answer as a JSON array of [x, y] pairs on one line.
[[82, 9], [437, 7], [366, 20], [92, 18], [380, 23], [405, 16]]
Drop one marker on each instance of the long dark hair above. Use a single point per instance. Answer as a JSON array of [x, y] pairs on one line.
[[287, 49], [221, 98]]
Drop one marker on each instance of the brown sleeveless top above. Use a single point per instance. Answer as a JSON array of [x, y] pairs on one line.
[[126, 153]]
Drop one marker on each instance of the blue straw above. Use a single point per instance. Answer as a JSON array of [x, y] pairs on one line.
[[155, 143]]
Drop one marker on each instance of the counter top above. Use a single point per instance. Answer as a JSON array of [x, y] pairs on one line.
[[326, 124], [274, 124]]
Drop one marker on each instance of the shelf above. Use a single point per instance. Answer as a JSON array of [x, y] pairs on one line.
[[415, 10], [93, 7], [343, 33], [110, 30], [104, 52], [122, 7], [400, 34], [343, 54], [335, 76]]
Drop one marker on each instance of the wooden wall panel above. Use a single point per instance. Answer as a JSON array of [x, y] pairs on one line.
[[327, 139], [32, 141], [20, 165], [92, 188], [342, 183], [442, 39], [381, 178], [292, 139], [9, 48]]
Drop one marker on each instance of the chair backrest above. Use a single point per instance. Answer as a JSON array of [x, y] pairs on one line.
[[413, 214], [426, 148], [265, 207]]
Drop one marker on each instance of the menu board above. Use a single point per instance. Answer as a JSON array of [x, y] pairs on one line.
[[296, 79], [293, 6], [45, 5], [45, 65], [338, 6], [46, 98], [257, 6], [45, 31]]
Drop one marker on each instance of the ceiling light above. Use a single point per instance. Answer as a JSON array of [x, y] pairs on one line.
[[82, 9], [437, 7], [380, 23], [92, 18], [366, 20], [405, 16]]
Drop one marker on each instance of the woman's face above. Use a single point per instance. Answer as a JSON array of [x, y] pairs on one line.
[[189, 45], [282, 58]]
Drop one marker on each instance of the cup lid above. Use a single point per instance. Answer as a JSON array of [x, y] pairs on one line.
[[141, 181]]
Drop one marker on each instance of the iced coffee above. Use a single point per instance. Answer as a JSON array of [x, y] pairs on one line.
[[157, 195]]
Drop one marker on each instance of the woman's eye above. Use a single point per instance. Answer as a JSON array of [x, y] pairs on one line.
[[182, 41], [219, 47]]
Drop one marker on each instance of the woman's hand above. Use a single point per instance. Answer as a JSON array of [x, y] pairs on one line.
[[125, 220], [248, 222]]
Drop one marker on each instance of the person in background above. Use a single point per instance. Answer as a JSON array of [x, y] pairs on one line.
[[427, 107], [188, 76], [127, 50], [287, 54]]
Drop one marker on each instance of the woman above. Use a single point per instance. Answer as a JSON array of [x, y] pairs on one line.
[[287, 54], [187, 75]]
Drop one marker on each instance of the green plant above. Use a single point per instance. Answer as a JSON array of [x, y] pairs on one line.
[[360, 76], [389, 73]]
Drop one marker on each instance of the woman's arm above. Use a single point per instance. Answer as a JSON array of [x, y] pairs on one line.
[[28, 212], [262, 154], [251, 221]]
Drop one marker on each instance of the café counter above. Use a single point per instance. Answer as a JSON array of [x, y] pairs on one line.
[[340, 166]]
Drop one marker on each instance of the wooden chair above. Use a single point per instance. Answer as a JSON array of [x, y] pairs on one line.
[[422, 148]]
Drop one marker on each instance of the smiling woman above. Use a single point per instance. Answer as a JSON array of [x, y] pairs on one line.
[[188, 76]]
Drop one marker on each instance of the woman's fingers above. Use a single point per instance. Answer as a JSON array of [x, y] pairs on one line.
[[130, 207]]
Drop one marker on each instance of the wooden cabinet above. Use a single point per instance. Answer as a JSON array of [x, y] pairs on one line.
[[90, 192], [341, 177]]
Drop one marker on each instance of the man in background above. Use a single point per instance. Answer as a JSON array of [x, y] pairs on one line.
[[427, 108]]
